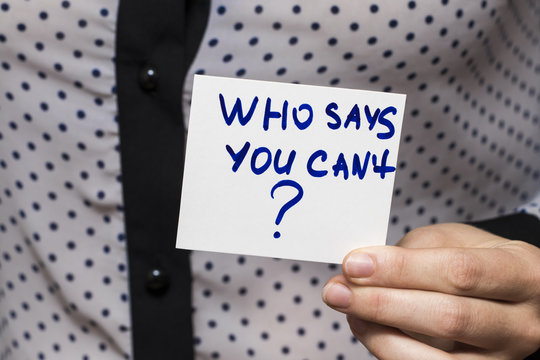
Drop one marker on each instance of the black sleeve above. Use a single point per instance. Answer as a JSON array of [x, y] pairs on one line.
[[519, 226], [156, 42]]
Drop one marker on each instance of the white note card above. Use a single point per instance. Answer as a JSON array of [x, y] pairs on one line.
[[286, 170]]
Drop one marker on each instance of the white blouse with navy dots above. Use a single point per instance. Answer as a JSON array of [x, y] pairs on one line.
[[470, 150]]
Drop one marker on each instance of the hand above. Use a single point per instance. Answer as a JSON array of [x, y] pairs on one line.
[[478, 292]]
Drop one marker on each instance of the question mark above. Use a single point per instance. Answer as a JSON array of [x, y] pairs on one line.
[[289, 204]]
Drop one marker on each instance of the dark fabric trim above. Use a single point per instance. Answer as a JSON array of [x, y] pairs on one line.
[[163, 34], [519, 226]]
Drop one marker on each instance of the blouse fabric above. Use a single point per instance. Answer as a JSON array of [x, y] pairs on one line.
[[470, 150], [63, 275]]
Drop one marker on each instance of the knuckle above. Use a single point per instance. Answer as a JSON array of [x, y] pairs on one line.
[[464, 271], [453, 320], [534, 284], [529, 340], [377, 303], [532, 331], [533, 336], [414, 235], [424, 236], [399, 264]]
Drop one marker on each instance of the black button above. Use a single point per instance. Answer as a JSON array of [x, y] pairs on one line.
[[148, 77], [157, 282]]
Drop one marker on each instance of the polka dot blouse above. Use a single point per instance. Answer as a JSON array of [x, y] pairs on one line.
[[63, 271], [470, 150]]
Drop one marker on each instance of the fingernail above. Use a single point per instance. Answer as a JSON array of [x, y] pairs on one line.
[[337, 295], [359, 265]]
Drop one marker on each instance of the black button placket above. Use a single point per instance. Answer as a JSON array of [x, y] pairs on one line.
[[155, 43]]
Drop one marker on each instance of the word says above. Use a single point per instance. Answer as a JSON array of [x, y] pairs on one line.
[[379, 116], [357, 168]]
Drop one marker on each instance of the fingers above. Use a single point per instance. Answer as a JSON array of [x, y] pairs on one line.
[[481, 323], [389, 343], [493, 273], [447, 281]]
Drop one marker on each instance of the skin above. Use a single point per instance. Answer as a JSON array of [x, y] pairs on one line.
[[448, 291]]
